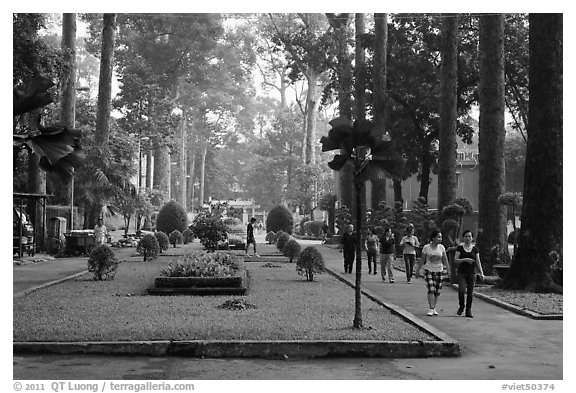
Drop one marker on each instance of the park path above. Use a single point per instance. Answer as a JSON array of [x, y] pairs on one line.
[[496, 345]]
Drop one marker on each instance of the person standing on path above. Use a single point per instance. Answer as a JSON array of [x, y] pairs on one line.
[[409, 243], [467, 258], [100, 233], [349, 248], [435, 263], [387, 253], [250, 236], [372, 250]]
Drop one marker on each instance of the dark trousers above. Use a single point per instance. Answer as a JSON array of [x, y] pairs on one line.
[[348, 260], [466, 285], [372, 260], [409, 260]]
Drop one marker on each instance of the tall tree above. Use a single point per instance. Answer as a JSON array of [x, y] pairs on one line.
[[540, 239], [447, 180], [492, 215], [343, 67], [105, 81], [379, 76]]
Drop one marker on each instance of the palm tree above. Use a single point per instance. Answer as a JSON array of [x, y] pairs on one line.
[[371, 155]]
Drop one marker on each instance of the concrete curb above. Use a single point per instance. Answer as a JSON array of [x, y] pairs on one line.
[[516, 309], [407, 316], [446, 346], [247, 349]]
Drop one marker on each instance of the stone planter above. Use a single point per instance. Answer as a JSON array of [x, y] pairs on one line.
[[202, 286]]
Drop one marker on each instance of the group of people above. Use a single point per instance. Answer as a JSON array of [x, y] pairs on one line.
[[434, 262]]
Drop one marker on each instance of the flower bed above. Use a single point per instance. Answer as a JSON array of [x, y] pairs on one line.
[[202, 273]]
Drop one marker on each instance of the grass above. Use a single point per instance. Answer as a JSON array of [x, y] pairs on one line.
[[286, 307]]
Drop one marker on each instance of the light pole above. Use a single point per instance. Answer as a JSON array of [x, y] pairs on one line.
[[81, 88]]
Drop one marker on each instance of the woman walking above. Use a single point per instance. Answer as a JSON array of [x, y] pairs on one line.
[[435, 264], [409, 242], [387, 253], [467, 258], [372, 250]]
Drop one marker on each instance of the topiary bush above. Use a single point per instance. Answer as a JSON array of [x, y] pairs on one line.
[[280, 218], [292, 249], [172, 216], [310, 262], [102, 263], [210, 229], [176, 237], [281, 240], [149, 247], [314, 228], [270, 237], [188, 236], [163, 240]]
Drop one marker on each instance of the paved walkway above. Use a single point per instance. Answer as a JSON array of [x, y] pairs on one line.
[[496, 344]]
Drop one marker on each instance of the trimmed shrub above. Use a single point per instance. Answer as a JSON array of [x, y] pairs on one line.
[[292, 249], [187, 236], [314, 228], [280, 218], [149, 247], [270, 237], [282, 240], [309, 263], [175, 237], [210, 229], [172, 216], [232, 221], [162, 240], [102, 263]]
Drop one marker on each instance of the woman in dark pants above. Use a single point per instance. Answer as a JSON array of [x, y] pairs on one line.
[[468, 260]]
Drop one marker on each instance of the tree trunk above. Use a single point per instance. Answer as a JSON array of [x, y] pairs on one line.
[[68, 97], [398, 192], [312, 102], [344, 74], [339, 23], [105, 82], [358, 288], [541, 231], [426, 160], [447, 180], [191, 168], [68, 100], [202, 172], [360, 70], [182, 159], [492, 215], [379, 95], [162, 168], [37, 185], [149, 170]]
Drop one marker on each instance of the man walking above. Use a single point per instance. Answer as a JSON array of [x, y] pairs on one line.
[[250, 236]]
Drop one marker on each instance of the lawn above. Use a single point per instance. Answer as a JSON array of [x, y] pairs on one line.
[[286, 307]]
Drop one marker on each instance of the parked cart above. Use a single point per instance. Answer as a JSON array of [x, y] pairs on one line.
[[80, 242]]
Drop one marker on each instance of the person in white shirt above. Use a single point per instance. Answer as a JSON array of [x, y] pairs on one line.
[[409, 243], [435, 263], [100, 233]]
